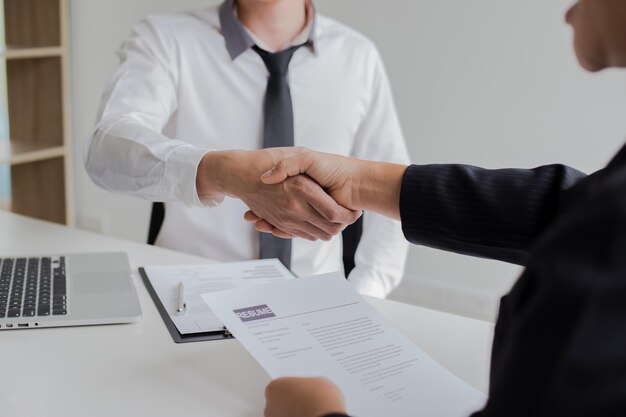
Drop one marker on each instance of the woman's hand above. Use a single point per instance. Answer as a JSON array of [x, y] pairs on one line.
[[354, 184], [303, 397]]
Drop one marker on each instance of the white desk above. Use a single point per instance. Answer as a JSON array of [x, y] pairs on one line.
[[137, 370]]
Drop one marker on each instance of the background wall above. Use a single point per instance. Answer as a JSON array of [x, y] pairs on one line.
[[486, 82]]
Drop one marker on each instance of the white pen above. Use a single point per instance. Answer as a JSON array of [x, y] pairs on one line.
[[181, 306]]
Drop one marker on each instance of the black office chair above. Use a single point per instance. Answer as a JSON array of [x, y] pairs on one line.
[[351, 235], [156, 221]]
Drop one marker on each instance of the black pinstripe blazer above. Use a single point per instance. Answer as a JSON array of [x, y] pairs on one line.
[[560, 342]]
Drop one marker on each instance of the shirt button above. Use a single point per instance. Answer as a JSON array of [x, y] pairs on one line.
[[179, 189]]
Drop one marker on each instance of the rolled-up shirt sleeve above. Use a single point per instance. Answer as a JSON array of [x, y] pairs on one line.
[[128, 151]]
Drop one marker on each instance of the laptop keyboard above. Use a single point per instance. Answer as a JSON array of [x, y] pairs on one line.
[[32, 287]]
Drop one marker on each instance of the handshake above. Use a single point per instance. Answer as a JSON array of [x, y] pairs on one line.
[[296, 192]]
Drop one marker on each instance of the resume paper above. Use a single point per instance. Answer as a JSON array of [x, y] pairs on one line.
[[320, 326]]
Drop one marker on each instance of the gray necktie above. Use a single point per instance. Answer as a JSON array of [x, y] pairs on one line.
[[278, 131]]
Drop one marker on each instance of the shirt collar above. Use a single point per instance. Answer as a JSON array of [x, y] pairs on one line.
[[238, 39]]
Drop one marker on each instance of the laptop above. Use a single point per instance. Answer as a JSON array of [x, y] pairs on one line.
[[66, 290]]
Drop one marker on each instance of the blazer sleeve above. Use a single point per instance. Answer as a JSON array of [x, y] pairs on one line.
[[495, 214]]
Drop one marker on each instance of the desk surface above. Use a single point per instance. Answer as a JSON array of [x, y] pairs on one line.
[[136, 369]]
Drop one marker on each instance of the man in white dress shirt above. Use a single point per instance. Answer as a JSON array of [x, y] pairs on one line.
[[187, 102]]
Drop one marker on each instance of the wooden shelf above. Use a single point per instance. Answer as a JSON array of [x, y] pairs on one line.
[[38, 190], [26, 53], [33, 23], [36, 57], [35, 100], [15, 153]]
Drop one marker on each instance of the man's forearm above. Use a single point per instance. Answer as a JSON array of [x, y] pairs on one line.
[[218, 175], [234, 172]]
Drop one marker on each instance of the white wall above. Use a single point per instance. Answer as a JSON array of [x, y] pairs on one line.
[[486, 82]]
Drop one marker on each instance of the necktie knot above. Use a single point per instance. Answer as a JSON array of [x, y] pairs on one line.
[[277, 63]]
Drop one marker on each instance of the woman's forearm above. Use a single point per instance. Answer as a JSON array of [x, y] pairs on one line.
[[379, 187]]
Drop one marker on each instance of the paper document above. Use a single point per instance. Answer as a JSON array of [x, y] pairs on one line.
[[320, 326], [199, 279]]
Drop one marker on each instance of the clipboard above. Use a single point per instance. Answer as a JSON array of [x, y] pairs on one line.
[[169, 324]]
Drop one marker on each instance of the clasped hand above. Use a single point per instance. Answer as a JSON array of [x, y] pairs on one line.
[[294, 207], [337, 175]]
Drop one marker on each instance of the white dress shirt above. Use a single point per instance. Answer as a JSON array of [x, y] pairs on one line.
[[187, 86]]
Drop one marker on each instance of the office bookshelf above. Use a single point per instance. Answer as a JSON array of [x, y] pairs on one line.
[[38, 149]]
